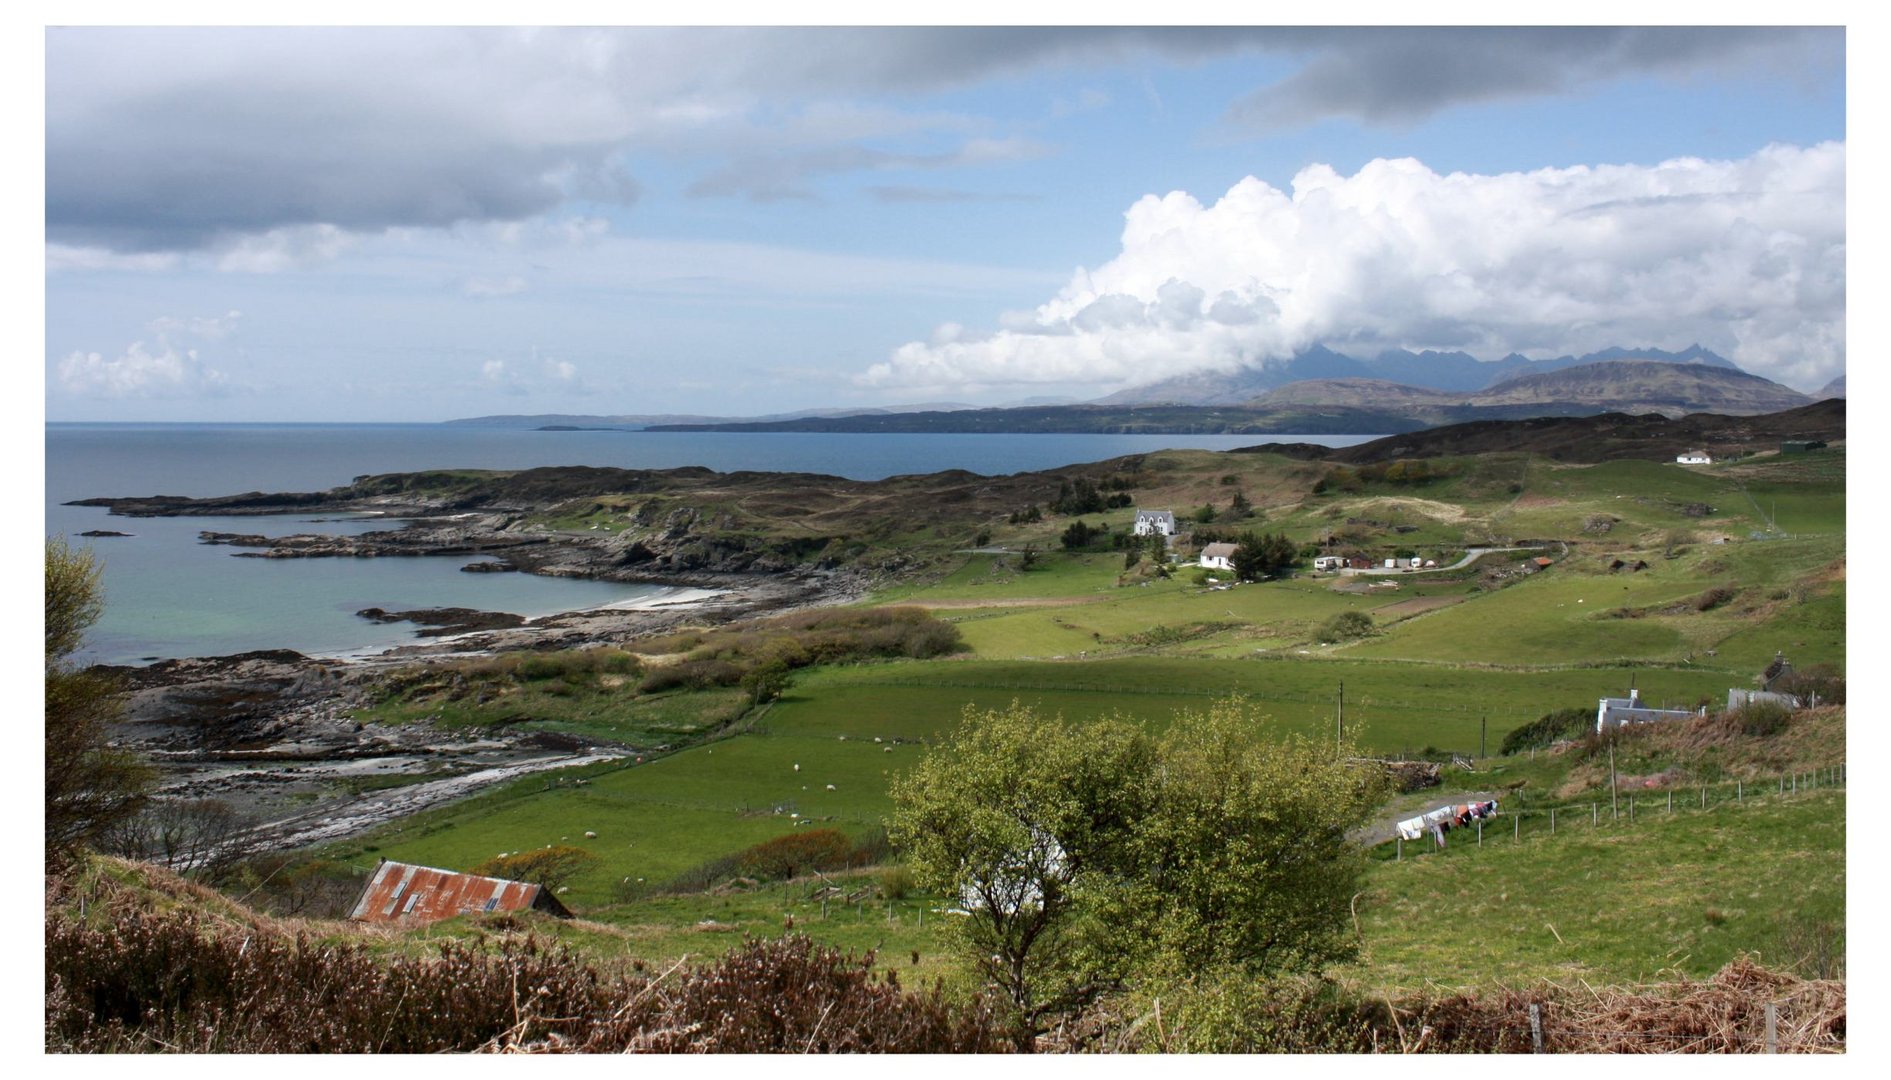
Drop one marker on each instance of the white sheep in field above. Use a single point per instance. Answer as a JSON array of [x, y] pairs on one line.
[[589, 835], [797, 766], [830, 787]]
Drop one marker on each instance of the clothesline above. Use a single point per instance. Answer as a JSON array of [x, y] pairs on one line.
[[1444, 819]]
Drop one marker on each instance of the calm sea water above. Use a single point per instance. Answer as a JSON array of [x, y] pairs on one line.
[[168, 595]]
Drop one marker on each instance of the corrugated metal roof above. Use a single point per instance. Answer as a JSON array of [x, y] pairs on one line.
[[402, 892]]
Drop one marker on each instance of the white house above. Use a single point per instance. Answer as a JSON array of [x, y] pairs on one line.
[[1157, 522], [1613, 712], [1218, 557], [1694, 457], [1329, 562]]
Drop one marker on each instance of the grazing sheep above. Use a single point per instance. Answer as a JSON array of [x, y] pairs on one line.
[[830, 787], [589, 835]]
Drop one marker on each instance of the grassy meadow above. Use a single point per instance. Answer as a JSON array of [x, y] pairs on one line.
[[1455, 661]]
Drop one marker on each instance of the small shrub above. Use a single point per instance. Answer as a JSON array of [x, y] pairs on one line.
[[1549, 729], [896, 882], [548, 866], [1759, 718], [1714, 598], [797, 853], [1346, 626]]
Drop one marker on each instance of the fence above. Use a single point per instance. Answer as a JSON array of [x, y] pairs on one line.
[[1618, 807]]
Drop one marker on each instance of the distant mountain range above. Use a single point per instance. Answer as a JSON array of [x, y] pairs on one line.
[[1631, 386], [1455, 371], [1315, 391]]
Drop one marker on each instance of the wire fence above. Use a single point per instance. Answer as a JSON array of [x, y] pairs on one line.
[[1619, 808]]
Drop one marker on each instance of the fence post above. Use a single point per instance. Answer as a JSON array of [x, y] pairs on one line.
[[1670, 800], [1595, 815], [1631, 808], [1703, 796], [1480, 832], [1552, 821], [1772, 1028], [1536, 1028], [1516, 828], [1739, 791]]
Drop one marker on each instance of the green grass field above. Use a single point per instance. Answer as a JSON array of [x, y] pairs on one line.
[[1453, 665]]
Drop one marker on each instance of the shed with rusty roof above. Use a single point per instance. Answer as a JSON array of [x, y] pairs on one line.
[[405, 893]]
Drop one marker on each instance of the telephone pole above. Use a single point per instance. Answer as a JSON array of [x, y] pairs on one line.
[[1339, 718]]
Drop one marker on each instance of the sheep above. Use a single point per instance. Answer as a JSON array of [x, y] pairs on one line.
[[589, 835], [830, 787]]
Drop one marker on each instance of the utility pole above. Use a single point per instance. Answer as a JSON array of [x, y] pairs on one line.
[[1339, 718], [1483, 728]]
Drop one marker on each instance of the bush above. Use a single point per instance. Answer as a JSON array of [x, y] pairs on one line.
[[797, 853], [1759, 718], [896, 882], [1346, 626], [1714, 598], [128, 979], [550, 866], [1549, 729]]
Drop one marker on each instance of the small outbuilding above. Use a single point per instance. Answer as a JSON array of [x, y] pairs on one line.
[[405, 893], [1694, 457], [1218, 557]]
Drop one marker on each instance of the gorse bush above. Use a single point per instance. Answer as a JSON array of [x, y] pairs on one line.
[[1549, 729], [129, 979], [1346, 626]]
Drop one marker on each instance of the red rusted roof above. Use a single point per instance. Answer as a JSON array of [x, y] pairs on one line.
[[1542, 560], [402, 892]]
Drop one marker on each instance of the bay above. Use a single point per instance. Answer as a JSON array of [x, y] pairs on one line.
[[167, 595]]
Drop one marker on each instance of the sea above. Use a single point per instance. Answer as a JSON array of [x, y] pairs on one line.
[[168, 595]]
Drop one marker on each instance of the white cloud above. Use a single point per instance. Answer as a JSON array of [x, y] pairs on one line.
[[161, 370], [282, 249], [140, 372], [68, 257], [1746, 257]]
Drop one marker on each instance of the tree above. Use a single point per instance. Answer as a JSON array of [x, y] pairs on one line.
[[1258, 556], [549, 866], [90, 786], [1027, 821], [1346, 626], [1243, 861], [1084, 853]]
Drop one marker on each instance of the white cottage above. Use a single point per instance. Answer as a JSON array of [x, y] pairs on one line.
[[1155, 523], [1218, 557], [1694, 457]]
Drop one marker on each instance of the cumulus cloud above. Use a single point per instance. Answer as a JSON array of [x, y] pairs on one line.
[[162, 369], [1746, 257], [139, 372]]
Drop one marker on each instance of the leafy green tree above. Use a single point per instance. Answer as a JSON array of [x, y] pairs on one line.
[[1028, 821], [1084, 853], [1244, 862], [91, 786], [1262, 555], [1346, 626], [551, 866]]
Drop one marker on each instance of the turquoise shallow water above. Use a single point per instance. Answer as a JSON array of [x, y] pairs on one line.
[[168, 595]]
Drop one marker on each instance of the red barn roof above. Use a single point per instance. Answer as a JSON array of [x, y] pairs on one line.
[[402, 892]]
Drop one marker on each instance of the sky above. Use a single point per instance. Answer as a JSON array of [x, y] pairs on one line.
[[418, 224]]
